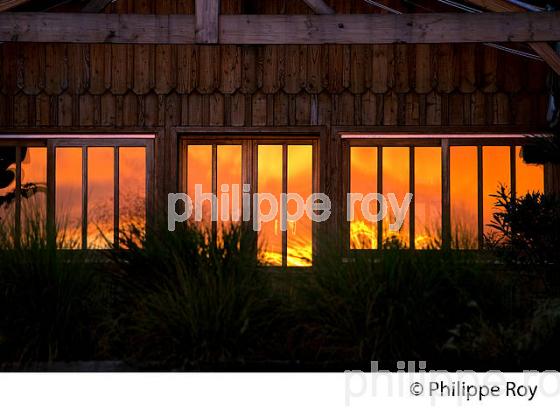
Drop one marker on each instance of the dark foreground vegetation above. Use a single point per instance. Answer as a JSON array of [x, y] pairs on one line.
[[178, 301]]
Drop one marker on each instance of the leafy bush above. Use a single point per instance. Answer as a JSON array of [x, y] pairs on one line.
[[52, 303], [187, 300], [528, 227], [395, 306]]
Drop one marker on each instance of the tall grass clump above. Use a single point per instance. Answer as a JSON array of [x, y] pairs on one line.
[[52, 303], [394, 305], [187, 300]]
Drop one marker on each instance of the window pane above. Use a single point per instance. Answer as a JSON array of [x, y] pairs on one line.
[[132, 187], [199, 171], [69, 196], [229, 179], [7, 189], [101, 208], [34, 190], [270, 182], [363, 180], [300, 181], [396, 180], [496, 172], [464, 201], [427, 197], [529, 177]]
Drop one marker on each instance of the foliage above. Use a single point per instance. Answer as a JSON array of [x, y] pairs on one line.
[[187, 300], [396, 306], [542, 149], [528, 228], [52, 303]]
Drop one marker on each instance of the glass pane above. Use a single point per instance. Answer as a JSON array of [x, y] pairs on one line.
[[33, 191], [496, 172], [7, 192], [427, 197], [300, 181], [464, 201], [229, 184], [132, 188], [396, 170], [69, 196], [270, 182], [101, 208], [199, 171], [528, 177], [363, 180]]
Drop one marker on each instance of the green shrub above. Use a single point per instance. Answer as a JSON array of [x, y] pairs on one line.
[[396, 305], [52, 303], [528, 228], [188, 301]]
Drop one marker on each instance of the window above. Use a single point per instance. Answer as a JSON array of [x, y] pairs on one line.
[[90, 187], [452, 180], [235, 169]]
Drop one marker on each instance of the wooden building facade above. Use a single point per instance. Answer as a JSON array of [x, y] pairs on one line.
[[318, 91]]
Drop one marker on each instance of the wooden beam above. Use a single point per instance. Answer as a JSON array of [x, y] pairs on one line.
[[547, 53], [387, 28], [10, 4], [283, 29], [97, 28], [96, 6], [319, 6], [207, 22]]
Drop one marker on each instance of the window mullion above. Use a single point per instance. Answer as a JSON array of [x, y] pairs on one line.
[[51, 192], [214, 211], [17, 226], [513, 171], [380, 190], [480, 196], [84, 197], [445, 195], [412, 209], [116, 217], [283, 205]]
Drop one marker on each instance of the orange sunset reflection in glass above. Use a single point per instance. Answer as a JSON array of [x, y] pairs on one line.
[[496, 165]]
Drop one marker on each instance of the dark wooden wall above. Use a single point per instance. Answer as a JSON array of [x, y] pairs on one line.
[[122, 87]]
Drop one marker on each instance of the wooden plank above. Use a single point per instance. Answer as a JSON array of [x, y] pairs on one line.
[[207, 23], [319, 6], [95, 6], [187, 68], [386, 28], [230, 79], [547, 53], [284, 29], [6, 5]]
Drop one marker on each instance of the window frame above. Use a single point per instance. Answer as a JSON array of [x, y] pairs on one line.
[[53, 140], [443, 140], [250, 139]]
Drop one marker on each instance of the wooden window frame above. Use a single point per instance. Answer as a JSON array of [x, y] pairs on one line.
[[250, 139], [445, 141], [52, 141]]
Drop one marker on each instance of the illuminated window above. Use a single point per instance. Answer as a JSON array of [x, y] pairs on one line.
[[453, 183], [275, 168], [427, 197], [464, 197], [86, 173]]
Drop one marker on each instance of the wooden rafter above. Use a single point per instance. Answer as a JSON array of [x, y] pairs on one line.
[[96, 6], [319, 6], [207, 21], [10, 4], [283, 29], [547, 53]]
